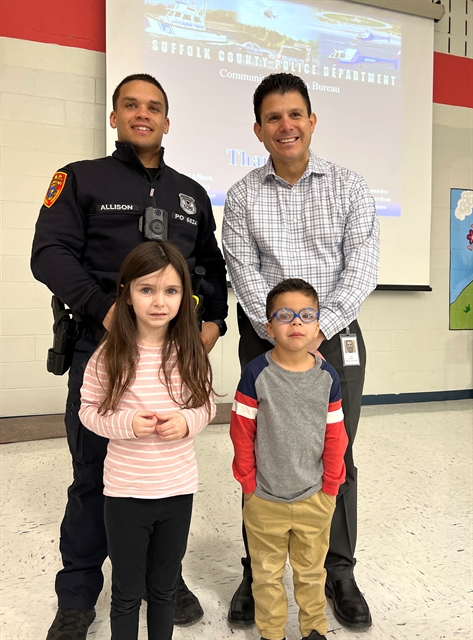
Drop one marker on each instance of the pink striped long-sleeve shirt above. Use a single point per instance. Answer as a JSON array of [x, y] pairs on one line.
[[142, 467]]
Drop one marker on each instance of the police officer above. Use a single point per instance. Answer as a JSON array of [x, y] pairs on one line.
[[91, 219]]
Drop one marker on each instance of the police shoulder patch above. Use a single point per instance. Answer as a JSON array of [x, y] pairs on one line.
[[55, 188], [187, 204]]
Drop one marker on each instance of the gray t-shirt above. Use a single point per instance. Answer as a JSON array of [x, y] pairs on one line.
[[293, 409]]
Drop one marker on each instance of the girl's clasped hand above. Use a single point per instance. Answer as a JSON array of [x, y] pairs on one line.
[[168, 427]]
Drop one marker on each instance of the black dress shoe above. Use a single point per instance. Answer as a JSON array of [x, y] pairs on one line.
[[314, 635], [349, 606], [187, 609], [241, 614]]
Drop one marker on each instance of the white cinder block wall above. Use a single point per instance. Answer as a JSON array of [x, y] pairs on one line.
[[53, 112]]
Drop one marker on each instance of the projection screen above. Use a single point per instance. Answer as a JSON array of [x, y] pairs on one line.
[[369, 74]]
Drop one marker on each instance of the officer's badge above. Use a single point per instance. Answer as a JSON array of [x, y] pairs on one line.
[[187, 204], [55, 188]]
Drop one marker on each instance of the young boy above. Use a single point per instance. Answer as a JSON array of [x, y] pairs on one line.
[[289, 439]]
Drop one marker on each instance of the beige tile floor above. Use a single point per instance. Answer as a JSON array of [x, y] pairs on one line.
[[414, 545]]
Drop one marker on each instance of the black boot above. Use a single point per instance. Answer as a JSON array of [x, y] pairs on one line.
[[72, 624], [241, 614], [187, 609]]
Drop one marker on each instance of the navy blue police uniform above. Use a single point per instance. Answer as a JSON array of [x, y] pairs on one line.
[[88, 224]]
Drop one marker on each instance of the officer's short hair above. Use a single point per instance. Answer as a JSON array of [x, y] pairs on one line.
[[279, 83], [290, 285], [144, 77]]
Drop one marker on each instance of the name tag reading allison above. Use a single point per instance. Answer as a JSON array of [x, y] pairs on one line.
[[106, 208], [349, 345]]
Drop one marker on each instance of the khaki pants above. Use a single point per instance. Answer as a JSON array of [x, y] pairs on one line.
[[301, 529]]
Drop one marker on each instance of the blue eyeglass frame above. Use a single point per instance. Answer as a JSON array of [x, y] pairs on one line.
[[295, 315]]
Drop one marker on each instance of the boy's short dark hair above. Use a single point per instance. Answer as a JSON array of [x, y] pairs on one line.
[[144, 77], [288, 286], [279, 83]]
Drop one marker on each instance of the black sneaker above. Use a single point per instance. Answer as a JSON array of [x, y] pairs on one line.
[[314, 635], [71, 624], [187, 609]]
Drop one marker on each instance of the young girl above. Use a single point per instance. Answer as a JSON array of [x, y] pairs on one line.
[[148, 389]]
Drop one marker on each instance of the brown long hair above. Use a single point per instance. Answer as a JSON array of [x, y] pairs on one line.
[[182, 345]]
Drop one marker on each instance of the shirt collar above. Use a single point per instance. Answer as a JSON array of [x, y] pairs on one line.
[[315, 165]]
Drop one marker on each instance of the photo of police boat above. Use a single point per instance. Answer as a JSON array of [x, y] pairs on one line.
[[184, 19]]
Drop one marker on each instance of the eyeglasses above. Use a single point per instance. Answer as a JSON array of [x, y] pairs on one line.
[[286, 316]]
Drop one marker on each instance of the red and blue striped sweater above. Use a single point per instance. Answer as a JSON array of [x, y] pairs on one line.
[[287, 431]]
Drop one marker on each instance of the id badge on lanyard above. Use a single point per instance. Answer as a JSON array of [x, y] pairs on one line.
[[349, 347]]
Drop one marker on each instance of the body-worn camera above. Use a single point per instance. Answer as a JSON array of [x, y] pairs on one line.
[[154, 224]]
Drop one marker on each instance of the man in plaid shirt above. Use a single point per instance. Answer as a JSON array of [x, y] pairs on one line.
[[302, 217]]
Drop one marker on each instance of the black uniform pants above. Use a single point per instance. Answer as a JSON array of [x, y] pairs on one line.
[[340, 559], [83, 543], [147, 540]]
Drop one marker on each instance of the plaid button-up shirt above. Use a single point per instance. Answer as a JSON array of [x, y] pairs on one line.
[[323, 229]]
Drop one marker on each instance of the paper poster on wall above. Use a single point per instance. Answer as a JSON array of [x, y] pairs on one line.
[[461, 259]]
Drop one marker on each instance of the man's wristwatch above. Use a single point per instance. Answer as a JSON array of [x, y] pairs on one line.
[[222, 325]]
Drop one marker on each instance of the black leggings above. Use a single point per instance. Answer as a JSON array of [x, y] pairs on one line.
[[147, 540]]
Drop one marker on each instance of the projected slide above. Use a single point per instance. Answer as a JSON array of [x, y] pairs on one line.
[[210, 56], [369, 75]]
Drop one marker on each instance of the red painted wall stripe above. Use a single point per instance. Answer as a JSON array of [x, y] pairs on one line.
[[81, 23], [72, 23], [453, 80]]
